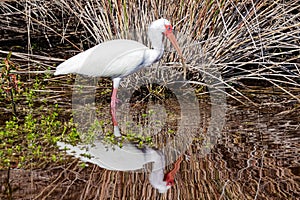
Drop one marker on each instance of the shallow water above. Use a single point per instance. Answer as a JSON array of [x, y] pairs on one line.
[[254, 156]]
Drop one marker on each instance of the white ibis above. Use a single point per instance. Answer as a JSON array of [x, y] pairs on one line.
[[127, 158], [119, 58]]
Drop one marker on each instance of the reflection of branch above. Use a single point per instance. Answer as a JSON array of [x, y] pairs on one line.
[[248, 162], [8, 182], [87, 190], [260, 174], [54, 183], [223, 189]]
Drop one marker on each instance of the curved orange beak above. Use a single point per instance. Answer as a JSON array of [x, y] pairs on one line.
[[169, 179], [171, 37]]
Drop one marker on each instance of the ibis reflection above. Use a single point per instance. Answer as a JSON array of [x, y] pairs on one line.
[[126, 158]]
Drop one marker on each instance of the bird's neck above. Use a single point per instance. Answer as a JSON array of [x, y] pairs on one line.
[[157, 175], [153, 55], [156, 39]]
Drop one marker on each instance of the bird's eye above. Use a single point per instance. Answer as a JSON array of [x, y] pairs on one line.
[[168, 27]]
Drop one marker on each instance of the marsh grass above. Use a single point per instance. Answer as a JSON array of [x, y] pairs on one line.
[[247, 42]]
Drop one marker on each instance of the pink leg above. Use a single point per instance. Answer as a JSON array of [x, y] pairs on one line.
[[113, 106]]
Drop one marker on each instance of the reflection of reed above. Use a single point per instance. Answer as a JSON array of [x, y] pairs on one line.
[[254, 159]]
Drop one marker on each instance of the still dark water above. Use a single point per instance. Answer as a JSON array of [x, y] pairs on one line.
[[254, 156]]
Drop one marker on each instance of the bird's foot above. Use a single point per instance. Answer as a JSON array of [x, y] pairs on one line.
[[117, 131]]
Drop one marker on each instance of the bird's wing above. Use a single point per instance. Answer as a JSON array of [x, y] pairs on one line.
[[126, 63], [114, 58], [126, 158], [109, 59]]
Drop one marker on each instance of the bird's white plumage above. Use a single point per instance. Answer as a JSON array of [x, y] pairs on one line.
[[127, 158], [115, 58], [118, 58]]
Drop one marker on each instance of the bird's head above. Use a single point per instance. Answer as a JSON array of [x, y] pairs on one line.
[[156, 179], [169, 179], [164, 26]]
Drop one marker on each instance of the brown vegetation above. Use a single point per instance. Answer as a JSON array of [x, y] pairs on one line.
[[252, 47]]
